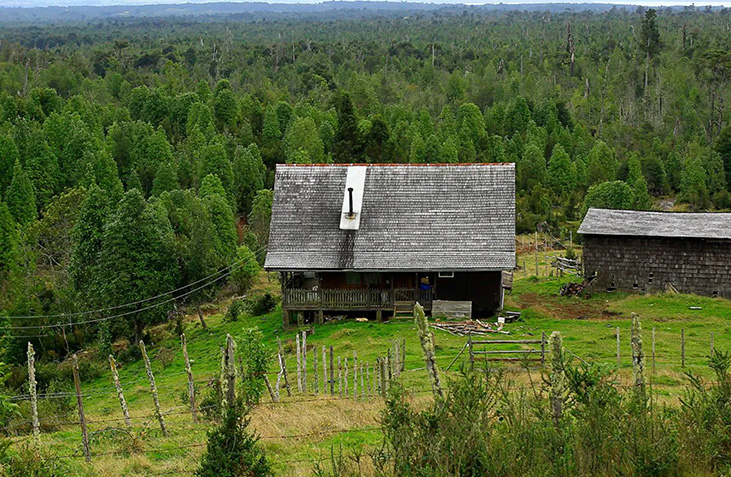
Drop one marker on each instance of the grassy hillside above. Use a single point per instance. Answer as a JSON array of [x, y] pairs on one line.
[[303, 429]]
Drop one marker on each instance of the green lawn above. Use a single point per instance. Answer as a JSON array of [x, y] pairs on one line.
[[303, 428]]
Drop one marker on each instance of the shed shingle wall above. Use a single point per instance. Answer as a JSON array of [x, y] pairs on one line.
[[698, 266]]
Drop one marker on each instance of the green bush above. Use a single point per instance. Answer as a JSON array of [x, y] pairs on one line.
[[260, 304], [236, 309], [232, 450]]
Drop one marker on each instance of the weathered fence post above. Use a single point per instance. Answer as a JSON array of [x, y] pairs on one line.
[[387, 373], [283, 363], [472, 353], [304, 361], [369, 382], [543, 348], [230, 371], [682, 347], [362, 381], [712, 349], [153, 388], [340, 377], [345, 378], [191, 382], [120, 394], [324, 370], [638, 357], [378, 376], [557, 378], [32, 390], [427, 344], [314, 371], [536, 243], [279, 378], [332, 372], [80, 404], [653, 350], [618, 359], [299, 363], [355, 374]]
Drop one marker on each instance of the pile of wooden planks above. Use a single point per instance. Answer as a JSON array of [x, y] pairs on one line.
[[571, 289], [468, 327]]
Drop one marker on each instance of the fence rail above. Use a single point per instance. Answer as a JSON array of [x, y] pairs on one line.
[[353, 298]]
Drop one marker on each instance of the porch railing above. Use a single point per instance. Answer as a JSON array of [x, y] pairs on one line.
[[352, 298]]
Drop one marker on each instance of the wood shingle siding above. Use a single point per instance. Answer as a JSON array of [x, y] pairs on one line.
[[691, 252]]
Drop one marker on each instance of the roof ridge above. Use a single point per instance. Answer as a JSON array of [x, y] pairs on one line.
[[406, 164]]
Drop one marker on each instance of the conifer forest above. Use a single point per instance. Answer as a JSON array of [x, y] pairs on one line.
[[137, 161]]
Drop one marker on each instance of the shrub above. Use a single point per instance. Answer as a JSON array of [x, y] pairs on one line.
[[232, 450], [247, 269], [261, 304], [29, 462], [236, 309]]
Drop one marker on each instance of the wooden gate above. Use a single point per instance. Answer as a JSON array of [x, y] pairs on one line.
[[537, 353]]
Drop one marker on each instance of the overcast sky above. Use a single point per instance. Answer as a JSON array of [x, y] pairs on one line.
[[45, 3]]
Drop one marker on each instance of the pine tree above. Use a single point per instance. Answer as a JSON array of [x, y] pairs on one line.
[[693, 188], [43, 170], [225, 106], [8, 240], [302, 134], [271, 138], [715, 175], [20, 197], [641, 199], [346, 134], [137, 259], [166, 179], [609, 195], [531, 169], [602, 164], [417, 151], [516, 121], [87, 237], [448, 152], [214, 160], [561, 175], [261, 216], [249, 174], [133, 182], [222, 219], [723, 148], [8, 156]]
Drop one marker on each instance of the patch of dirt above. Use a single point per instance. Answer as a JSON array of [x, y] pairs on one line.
[[575, 308]]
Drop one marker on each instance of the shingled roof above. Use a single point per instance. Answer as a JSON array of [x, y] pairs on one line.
[[413, 217], [656, 224]]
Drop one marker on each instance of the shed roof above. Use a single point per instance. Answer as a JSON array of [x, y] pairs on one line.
[[656, 224], [413, 217]]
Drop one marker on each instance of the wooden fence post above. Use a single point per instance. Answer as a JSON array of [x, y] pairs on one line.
[[191, 382], [324, 370], [314, 371], [618, 343], [299, 363], [345, 377], [332, 372], [403, 355], [377, 376], [153, 388], [120, 394], [230, 372], [340, 377], [472, 354], [712, 349], [682, 347], [283, 363], [32, 390], [369, 382], [543, 348], [362, 382], [387, 373], [304, 361], [355, 374], [536, 244], [80, 404], [279, 378], [653, 350]]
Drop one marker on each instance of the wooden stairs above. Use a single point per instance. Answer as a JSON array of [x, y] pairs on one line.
[[403, 309]]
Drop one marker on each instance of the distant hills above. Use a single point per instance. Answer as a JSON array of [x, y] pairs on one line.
[[96, 10]]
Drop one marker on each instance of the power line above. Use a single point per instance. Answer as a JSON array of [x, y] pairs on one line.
[[125, 305], [120, 315]]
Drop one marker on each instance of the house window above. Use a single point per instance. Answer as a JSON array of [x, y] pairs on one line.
[[446, 274]]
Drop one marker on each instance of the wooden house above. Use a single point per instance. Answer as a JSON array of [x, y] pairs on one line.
[[377, 238], [654, 251]]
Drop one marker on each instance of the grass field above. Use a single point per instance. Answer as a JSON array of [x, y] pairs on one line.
[[305, 428]]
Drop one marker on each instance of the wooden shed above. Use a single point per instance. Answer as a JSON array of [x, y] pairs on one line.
[[377, 238], [654, 251]]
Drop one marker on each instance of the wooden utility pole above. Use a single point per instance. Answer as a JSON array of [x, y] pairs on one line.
[[120, 394], [191, 382], [33, 391], [80, 404], [153, 388]]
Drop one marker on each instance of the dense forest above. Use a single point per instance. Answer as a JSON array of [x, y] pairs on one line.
[[137, 156]]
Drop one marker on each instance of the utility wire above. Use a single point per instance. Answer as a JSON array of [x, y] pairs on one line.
[[120, 315], [125, 305]]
